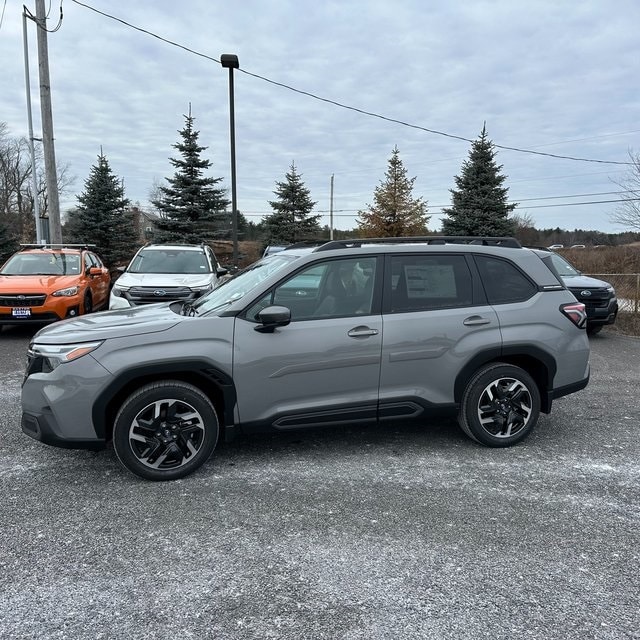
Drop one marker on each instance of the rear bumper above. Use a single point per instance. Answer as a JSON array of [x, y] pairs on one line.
[[554, 394]]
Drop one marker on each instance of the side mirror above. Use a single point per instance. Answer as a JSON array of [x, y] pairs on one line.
[[97, 271], [221, 271], [272, 317]]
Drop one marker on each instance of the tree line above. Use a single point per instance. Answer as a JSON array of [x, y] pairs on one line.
[[192, 207]]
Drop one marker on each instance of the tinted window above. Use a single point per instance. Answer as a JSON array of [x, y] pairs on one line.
[[503, 281], [335, 288], [421, 282]]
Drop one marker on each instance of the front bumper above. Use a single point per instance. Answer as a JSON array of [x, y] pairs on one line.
[[43, 427], [57, 405], [53, 310]]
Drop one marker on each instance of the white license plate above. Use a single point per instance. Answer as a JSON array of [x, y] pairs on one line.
[[21, 312]]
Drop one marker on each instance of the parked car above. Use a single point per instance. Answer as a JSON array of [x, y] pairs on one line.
[[165, 272], [45, 283], [598, 296], [350, 332]]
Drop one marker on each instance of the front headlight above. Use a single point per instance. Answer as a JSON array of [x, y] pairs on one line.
[[611, 290], [117, 291], [51, 356], [69, 291], [202, 290]]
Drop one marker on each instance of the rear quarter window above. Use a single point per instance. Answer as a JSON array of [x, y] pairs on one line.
[[503, 282]]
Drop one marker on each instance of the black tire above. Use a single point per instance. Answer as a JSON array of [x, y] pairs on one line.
[[592, 329], [87, 305], [165, 430], [500, 405]]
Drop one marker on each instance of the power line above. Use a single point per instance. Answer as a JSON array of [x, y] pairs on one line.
[[4, 6], [345, 106]]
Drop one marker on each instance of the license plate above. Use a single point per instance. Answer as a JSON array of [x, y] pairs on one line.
[[21, 312]]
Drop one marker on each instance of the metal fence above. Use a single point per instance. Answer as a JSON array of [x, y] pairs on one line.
[[627, 286]]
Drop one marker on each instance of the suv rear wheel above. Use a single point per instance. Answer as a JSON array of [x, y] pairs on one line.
[[500, 405], [165, 430]]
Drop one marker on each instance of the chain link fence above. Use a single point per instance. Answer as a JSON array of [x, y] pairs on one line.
[[627, 286]]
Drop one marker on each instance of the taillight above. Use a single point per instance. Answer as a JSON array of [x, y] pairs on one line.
[[576, 312]]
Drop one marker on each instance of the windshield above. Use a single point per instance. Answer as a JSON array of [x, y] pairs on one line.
[[42, 264], [564, 267], [169, 261], [243, 283]]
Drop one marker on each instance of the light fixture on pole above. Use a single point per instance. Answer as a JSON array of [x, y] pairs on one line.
[[230, 61]]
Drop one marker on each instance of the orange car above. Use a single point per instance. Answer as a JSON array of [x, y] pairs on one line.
[[45, 283]]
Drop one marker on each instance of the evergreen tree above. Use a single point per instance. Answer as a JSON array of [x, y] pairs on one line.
[[479, 204], [291, 220], [102, 217], [192, 208], [395, 212]]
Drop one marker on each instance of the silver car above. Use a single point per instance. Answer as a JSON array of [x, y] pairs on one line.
[[349, 332]]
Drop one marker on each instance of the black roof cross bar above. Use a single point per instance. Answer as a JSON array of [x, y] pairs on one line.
[[56, 245], [488, 241]]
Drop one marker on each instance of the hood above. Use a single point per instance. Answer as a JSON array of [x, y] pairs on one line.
[[111, 324], [161, 280], [36, 284], [584, 282]]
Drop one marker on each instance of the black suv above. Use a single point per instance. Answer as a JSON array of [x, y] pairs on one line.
[[598, 296]]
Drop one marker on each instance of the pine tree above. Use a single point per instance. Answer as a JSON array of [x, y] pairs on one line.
[[291, 220], [395, 212], [102, 217], [192, 208], [479, 204]]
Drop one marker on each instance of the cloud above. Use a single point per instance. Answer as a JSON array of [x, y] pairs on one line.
[[549, 76]]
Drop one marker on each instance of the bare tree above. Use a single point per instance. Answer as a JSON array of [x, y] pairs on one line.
[[628, 213], [16, 192]]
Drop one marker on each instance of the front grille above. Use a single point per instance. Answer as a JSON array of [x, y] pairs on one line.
[[22, 300], [150, 295], [598, 299]]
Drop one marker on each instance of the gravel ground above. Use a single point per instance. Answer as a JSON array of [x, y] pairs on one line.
[[403, 532]]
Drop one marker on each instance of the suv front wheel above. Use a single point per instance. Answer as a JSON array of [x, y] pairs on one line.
[[500, 405], [165, 430]]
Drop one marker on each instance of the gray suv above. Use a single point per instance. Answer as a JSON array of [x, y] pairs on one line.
[[350, 332]]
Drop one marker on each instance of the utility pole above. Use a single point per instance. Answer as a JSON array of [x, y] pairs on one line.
[[34, 173], [331, 211], [55, 228]]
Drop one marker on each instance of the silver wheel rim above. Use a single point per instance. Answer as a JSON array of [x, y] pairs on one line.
[[166, 434], [505, 407]]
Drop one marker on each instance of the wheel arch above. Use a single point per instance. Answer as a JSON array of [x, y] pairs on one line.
[[537, 363], [215, 384]]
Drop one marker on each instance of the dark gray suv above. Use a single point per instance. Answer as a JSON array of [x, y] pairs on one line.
[[353, 331]]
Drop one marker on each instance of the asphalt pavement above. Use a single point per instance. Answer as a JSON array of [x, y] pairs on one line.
[[352, 533]]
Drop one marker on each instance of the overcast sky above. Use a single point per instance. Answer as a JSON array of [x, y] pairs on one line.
[[557, 77]]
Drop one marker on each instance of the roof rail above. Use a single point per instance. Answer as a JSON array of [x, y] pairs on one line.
[[54, 245], [304, 243], [488, 241]]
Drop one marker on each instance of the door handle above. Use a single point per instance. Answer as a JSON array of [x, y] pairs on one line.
[[474, 321], [362, 332]]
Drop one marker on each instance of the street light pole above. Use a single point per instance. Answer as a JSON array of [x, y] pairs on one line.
[[230, 61]]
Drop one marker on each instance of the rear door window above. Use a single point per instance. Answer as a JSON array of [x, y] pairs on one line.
[[421, 282]]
